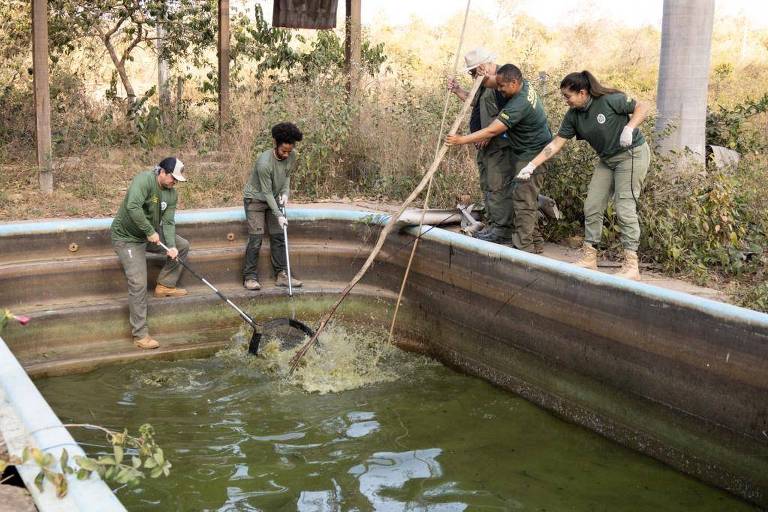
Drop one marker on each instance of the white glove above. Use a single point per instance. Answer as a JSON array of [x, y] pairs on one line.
[[526, 172], [626, 137], [283, 199], [282, 221]]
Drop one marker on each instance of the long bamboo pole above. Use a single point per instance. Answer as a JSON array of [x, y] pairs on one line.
[[429, 187], [388, 227]]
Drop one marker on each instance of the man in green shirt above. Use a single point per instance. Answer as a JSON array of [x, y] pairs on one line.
[[146, 217], [525, 123], [494, 158], [268, 186]]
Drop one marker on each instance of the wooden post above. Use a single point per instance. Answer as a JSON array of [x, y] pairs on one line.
[[42, 94], [223, 66], [352, 45]]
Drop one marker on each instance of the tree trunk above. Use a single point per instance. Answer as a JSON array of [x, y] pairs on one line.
[[120, 67], [686, 38], [164, 92]]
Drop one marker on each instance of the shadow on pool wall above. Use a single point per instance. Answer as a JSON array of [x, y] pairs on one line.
[[680, 378]]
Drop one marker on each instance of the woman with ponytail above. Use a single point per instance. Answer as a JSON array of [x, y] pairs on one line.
[[608, 120]]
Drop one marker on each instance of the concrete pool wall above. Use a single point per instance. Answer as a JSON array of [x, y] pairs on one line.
[[680, 378]]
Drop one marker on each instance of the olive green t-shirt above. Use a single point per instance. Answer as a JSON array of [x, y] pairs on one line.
[[270, 178], [147, 206], [600, 123], [489, 110], [526, 123]]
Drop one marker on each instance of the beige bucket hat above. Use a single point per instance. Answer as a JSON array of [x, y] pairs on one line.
[[476, 57]]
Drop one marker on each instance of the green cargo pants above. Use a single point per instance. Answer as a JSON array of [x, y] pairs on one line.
[[525, 200], [497, 174], [617, 176], [133, 258]]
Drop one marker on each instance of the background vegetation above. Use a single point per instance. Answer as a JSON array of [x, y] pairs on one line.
[[708, 226]]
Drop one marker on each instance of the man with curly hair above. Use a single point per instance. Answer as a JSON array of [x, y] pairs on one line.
[[267, 187]]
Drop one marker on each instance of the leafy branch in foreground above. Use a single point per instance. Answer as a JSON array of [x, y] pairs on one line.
[[131, 457]]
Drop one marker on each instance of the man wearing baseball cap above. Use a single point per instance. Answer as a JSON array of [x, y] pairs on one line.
[[494, 155], [146, 217]]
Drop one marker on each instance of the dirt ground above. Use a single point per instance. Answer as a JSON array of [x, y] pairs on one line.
[[13, 498]]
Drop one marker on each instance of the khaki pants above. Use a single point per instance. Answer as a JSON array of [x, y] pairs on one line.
[[133, 258], [617, 177], [525, 200], [260, 219]]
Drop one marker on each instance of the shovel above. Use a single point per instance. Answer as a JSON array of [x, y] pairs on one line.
[[258, 330]]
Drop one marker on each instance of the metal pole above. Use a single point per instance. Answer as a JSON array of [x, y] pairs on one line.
[[226, 299], [42, 94], [287, 256]]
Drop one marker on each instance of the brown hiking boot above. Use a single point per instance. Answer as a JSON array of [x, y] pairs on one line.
[[166, 291], [252, 284], [282, 280], [146, 343], [588, 258], [630, 269]]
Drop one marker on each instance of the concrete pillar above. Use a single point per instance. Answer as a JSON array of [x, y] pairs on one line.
[[42, 94], [686, 40]]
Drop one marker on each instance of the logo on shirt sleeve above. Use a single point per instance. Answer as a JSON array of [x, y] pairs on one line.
[[601, 118], [163, 206]]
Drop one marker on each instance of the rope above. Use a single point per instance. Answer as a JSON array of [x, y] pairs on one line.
[[429, 187], [388, 228]]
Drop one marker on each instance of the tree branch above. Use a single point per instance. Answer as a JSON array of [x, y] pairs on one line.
[[136, 41], [109, 34]]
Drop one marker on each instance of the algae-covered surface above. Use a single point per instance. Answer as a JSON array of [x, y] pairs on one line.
[[360, 426]]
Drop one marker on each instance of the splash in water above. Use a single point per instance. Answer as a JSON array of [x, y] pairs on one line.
[[344, 358]]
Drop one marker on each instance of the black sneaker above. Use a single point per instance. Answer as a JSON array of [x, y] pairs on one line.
[[496, 239], [484, 232]]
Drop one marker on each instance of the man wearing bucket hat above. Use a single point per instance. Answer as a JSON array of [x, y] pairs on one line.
[[145, 218], [494, 155], [524, 121]]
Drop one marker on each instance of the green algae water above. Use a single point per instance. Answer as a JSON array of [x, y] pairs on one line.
[[360, 427]]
